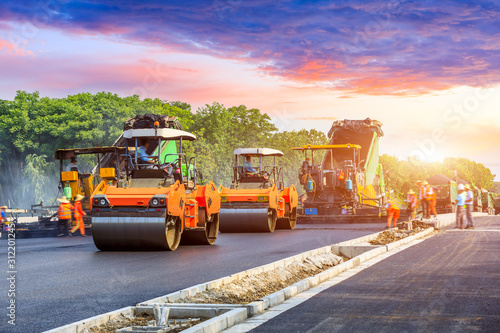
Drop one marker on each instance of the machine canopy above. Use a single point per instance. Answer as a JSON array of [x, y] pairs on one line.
[[164, 133], [258, 152]]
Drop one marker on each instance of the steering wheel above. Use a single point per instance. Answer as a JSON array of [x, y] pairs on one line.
[[265, 174], [168, 165]]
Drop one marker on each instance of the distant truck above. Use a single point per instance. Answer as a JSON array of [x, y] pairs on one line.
[[446, 194], [488, 201], [478, 202]]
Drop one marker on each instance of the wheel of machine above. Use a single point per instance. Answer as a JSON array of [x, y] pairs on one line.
[[290, 221], [271, 219], [203, 237], [247, 220], [173, 232]]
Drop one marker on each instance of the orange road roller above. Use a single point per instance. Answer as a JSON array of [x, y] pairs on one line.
[[257, 201], [157, 203]]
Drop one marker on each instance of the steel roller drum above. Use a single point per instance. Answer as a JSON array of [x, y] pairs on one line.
[[129, 233], [247, 220]]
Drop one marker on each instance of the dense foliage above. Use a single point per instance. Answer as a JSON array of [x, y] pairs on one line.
[[401, 176], [33, 128]]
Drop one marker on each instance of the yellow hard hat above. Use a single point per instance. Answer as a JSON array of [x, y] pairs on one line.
[[411, 192]]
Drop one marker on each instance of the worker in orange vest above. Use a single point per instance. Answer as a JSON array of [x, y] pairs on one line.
[[431, 196], [392, 213], [78, 211], [421, 201], [412, 204], [424, 201], [64, 215]]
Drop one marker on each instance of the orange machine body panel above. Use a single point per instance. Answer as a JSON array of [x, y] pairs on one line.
[[291, 196], [267, 196]]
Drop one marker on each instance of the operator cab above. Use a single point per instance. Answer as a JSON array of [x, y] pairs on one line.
[[157, 154], [250, 174]]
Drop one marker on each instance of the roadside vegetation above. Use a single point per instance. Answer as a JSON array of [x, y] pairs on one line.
[[32, 128]]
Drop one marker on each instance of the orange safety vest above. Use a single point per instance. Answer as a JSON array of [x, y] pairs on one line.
[[421, 194], [429, 193], [392, 206], [412, 200], [78, 210], [64, 212]]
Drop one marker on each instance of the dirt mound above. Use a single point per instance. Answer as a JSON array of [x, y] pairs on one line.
[[254, 287]]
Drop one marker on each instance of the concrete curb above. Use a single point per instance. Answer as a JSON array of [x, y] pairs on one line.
[[81, 325], [240, 312]]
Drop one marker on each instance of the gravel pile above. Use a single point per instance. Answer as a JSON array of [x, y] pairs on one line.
[[254, 287]]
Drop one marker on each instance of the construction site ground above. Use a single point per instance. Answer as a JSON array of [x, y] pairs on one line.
[[440, 272], [64, 280], [446, 283]]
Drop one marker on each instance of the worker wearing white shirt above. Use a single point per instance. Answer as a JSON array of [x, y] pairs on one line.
[[72, 166], [469, 205]]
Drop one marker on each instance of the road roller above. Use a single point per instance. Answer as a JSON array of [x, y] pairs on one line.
[[257, 200], [159, 202]]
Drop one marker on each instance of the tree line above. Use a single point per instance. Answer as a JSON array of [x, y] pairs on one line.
[[32, 128]]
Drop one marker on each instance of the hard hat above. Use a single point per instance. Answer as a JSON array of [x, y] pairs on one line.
[[467, 187], [460, 187], [3, 207], [411, 192], [308, 159], [63, 199], [419, 181], [79, 197], [425, 182]]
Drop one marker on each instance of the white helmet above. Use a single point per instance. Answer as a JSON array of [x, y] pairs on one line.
[[461, 187]]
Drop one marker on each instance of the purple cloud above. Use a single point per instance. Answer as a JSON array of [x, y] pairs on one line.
[[369, 47]]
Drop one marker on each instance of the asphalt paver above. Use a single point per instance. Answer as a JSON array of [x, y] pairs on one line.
[[447, 283]]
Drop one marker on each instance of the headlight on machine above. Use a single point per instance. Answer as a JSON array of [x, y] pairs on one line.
[[223, 198], [100, 201], [262, 198], [159, 200]]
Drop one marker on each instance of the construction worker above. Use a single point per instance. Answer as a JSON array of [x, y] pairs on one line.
[[469, 206], [412, 204], [247, 166], [72, 166], [392, 213], [4, 224], [431, 196], [460, 201], [78, 212], [423, 199], [143, 156], [64, 215]]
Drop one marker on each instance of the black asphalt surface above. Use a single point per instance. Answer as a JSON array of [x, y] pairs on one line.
[[447, 283], [63, 280]]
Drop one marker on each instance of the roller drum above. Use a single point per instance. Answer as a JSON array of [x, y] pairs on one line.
[[135, 233], [247, 220]]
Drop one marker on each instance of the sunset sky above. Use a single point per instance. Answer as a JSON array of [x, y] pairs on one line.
[[428, 70]]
